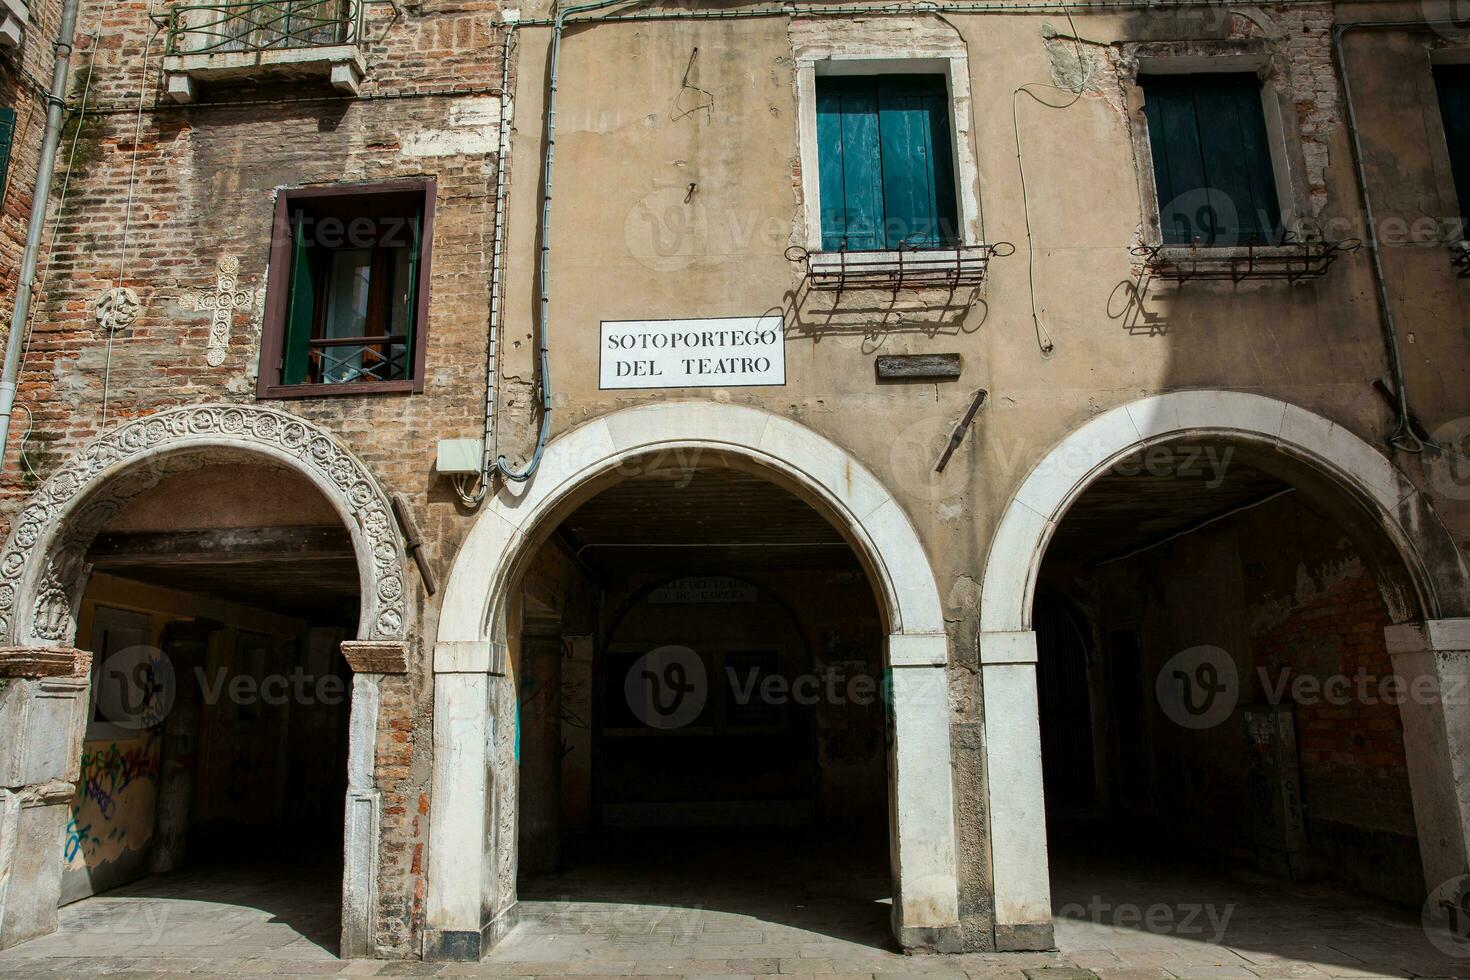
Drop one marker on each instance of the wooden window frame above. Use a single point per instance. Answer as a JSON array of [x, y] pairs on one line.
[[278, 288]]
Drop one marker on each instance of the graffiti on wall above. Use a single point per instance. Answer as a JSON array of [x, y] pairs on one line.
[[112, 813]]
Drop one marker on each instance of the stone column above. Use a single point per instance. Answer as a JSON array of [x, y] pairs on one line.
[[922, 841], [371, 661], [1432, 663], [43, 716], [185, 644], [461, 912], [1017, 804]]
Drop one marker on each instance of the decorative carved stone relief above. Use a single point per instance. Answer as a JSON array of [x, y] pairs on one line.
[[117, 308], [227, 299], [43, 564]]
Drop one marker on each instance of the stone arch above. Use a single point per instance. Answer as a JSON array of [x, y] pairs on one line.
[[42, 565], [1431, 581], [470, 902]]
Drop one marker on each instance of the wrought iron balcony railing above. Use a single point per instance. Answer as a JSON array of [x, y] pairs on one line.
[[269, 25], [345, 360]]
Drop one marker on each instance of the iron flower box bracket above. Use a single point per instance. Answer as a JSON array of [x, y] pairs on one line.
[[906, 267], [1293, 261]]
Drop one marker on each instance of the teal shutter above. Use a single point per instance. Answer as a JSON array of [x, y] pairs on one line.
[[1453, 83], [300, 310], [1211, 158], [413, 301], [852, 211], [886, 162], [918, 169], [7, 136]]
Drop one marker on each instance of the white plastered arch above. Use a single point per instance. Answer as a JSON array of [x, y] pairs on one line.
[[1435, 570], [465, 905]]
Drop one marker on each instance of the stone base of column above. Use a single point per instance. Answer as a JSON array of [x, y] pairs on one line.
[[43, 701], [446, 946], [32, 834], [1024, 937], [1432, 662]]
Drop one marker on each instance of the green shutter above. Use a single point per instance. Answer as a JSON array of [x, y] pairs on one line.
[[886, 161], [300, 310], [847, 112], [1453, 83], [7, 135], [413, 301], [1211, 158], [918, 172]]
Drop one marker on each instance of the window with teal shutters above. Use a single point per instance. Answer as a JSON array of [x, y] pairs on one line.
[[1453, 84], [1212, 159], [886, 162]]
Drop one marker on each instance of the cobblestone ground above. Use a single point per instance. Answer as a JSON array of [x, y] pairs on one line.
[[704, 915]]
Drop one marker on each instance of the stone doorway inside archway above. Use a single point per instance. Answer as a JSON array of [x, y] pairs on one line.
[[698, 656]]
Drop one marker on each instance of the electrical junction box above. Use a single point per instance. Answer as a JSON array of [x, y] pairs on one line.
[[458, 457]]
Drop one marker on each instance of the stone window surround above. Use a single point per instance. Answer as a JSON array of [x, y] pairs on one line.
[[841, 48], [278, 281], [1199, 56]]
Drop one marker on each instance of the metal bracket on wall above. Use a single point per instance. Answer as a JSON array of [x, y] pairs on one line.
[[958, 435]]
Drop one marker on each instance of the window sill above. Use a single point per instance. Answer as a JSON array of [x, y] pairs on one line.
[[1291, 261], [942, 267], [341, 64], [283, 392]]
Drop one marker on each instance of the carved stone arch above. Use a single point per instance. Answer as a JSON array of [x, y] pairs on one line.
[[42, 566]]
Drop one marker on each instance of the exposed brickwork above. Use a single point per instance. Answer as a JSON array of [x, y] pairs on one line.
[[402, 825], [1352, 753], [202, 183]]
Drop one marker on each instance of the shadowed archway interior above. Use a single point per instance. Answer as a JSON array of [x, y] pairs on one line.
[[699, 668]]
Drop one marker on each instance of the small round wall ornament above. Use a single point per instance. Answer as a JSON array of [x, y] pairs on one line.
[[117, 308]]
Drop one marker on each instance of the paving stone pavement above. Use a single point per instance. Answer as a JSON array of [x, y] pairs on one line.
[[698, 915]]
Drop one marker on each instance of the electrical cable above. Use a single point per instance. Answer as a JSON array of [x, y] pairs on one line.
[[1043, 336], [122, 259]]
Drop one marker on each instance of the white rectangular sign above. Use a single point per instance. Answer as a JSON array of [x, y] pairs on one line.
[[722, 352]]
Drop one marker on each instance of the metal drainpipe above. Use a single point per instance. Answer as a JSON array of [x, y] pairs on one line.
[[1403, 437], [543, 325], [45, 167], [497, 262]]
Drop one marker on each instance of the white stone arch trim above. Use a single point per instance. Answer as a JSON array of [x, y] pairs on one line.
[[41, 572], [1008, 645], [468, 904], [867, 511]]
